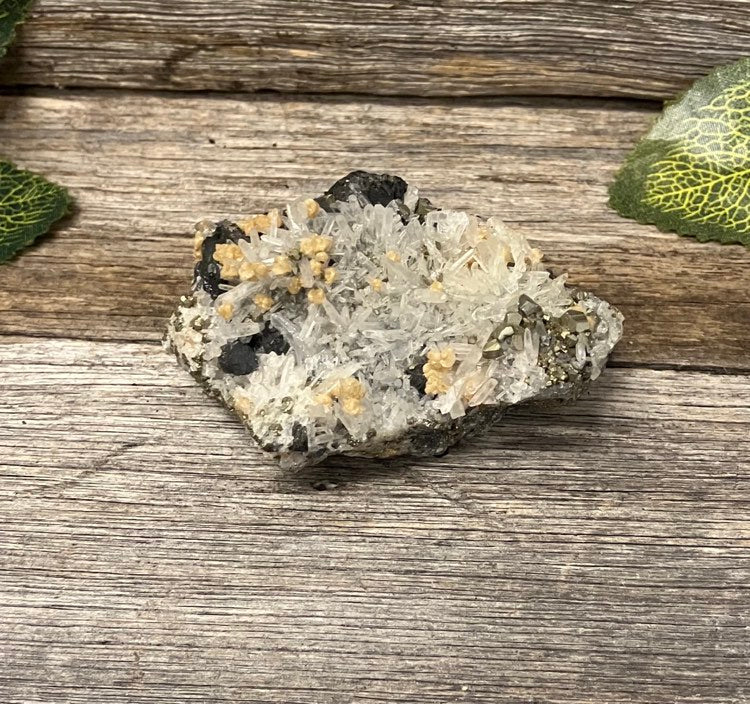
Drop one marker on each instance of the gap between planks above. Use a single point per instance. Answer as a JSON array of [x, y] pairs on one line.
[[142, 169], [472, 47], [600, 552]]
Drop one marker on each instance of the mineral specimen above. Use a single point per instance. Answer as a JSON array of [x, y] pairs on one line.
[[368, 322]]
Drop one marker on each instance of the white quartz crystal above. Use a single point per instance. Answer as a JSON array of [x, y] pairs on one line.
[[371, 329]]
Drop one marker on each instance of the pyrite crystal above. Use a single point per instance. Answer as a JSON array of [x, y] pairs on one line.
[[369, 322]]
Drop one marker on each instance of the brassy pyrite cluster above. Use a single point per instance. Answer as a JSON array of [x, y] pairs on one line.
[[369, 322]]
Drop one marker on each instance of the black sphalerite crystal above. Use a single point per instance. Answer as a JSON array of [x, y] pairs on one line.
[[269, 339], [367, 187], [416, 376], [208, 270], [240, 356], [299, 438]]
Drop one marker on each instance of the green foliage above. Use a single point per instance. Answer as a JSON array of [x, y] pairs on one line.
[[12, 13], [691, 172], [29, 205]]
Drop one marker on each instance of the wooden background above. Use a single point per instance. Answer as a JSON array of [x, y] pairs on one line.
[[149, 554]]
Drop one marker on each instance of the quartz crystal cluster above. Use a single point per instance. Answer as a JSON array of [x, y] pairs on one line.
[[368, 322]]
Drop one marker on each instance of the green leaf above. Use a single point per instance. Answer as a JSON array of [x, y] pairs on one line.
[[29, 204], [691, 173], [12, 13]]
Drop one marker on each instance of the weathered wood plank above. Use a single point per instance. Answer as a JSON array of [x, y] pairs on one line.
[[143, 169], [599, 553], [473, 47]]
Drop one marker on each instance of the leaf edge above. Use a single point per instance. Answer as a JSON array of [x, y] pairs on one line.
[[647, 215], [14, 25], [62, 209]]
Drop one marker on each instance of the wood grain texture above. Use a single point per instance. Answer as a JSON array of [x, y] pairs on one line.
[[600, 553], [632, 48], [143, 169], [148, 553]]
